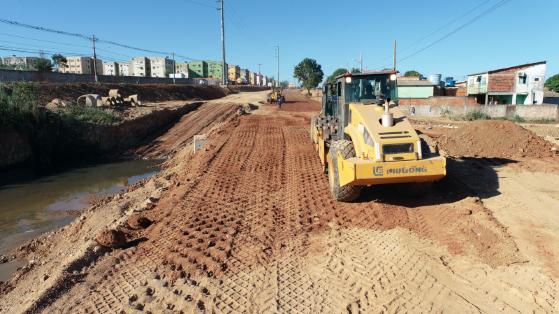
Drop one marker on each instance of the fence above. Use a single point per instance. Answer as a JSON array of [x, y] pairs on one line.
[[528, 112], [55, 77]]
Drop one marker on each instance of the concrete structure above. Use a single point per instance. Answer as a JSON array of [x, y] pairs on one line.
[[540, 112], [55, 77], [197, 69], [22, 63], [521, 84], [182, 68], [110, 68], [244, 75], [415, 89], [215, 70], [252, 78], [123, 68], [160, 66], [82, 65], [140, 66], [234, 72]]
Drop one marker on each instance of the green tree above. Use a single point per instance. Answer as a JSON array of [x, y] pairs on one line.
[[412, 73], [338, 72], [284, 84], [355, 71], [309, 73], [59, 61], [43, 65], [553, 83]]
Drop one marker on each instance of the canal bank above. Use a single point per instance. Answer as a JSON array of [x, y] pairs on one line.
[[32, 206]]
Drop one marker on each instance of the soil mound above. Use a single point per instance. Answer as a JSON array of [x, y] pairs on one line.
[[495, 139], [137, 222], [111, 238]]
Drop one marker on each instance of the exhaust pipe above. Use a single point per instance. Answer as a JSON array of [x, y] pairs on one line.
[[387, 116]]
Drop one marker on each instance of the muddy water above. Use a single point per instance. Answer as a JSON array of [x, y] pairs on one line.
[[35, 206]]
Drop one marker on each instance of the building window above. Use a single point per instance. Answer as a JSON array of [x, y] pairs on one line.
[[522, 79]]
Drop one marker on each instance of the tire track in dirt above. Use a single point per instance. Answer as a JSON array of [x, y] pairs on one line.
[[248, 225]]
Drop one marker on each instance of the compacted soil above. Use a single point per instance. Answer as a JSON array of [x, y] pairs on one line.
[[247, 225]]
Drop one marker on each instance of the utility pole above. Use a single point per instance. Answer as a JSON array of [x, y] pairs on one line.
[[174, 69], [94, 60], [278, 57], [224, 64], [361, 62], [394, 56]]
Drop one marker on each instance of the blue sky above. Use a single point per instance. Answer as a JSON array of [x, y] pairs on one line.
[[335, 33]]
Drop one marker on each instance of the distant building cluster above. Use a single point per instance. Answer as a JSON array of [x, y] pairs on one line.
[[22, 63], [162, 67]]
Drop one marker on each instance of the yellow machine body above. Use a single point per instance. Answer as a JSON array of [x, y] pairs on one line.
[[383, 155]]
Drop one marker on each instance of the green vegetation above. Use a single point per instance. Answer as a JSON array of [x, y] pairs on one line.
[[309, 73], [19, 107], [412, 73], [553, 83], [43, 65], [518, 119], [335, 74], [476, 115], [89, 115], [19, 103]]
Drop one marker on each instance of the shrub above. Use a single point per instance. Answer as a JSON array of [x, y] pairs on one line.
[[518, 119], [19, 103], [91, 115], [476, 115]]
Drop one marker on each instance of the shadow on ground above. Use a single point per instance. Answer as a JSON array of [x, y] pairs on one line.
[[466, 177]]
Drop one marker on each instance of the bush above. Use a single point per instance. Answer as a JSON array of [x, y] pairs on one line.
[[553, 83], [518, 119], [90, 115], [19, 103], [476, 115]]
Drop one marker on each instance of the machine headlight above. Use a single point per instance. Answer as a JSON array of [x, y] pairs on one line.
[[393, 77]]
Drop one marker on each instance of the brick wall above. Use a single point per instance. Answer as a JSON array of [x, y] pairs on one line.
[[455, 91], [501, 82]]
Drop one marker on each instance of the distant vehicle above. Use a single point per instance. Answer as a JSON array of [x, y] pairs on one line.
[[274, 95]]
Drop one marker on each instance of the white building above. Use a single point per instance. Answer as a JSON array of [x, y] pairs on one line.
[[140, 66], [110, 68], [161, 66], [123, 68], [82, 65], [22, 63], [517, 85]]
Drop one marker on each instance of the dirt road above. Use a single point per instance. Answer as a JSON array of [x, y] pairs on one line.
[[247, 225]]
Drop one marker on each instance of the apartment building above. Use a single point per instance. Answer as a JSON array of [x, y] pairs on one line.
[[22, 63], [140, 66], [197, 69], [110, 68], [123, 68], [215, 69], [182, 68], [161, 66], [82, 65], [234, 72]]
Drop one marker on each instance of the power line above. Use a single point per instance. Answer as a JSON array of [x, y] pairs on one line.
[[82, 36], [413, 44], [475, 18]]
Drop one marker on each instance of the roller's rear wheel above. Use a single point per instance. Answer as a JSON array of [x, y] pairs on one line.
[[347, 193]]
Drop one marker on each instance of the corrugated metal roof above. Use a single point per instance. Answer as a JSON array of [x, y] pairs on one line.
[[508, 68]]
